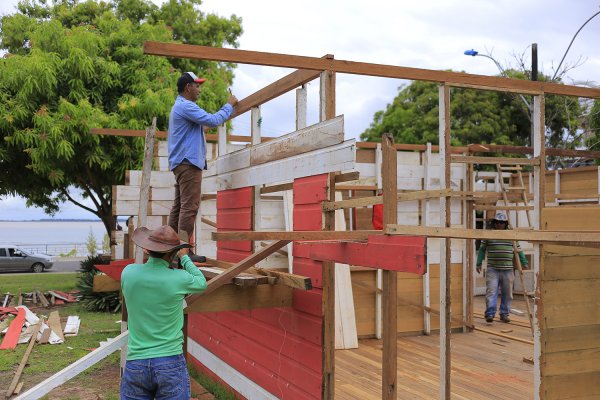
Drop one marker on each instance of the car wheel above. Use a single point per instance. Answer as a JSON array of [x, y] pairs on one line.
[[37, 267]]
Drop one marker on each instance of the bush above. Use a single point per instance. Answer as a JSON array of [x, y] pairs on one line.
[[91, 243], [95, 301]]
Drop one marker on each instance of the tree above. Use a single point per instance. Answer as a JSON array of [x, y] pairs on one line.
[[74, 65], [477, 116]]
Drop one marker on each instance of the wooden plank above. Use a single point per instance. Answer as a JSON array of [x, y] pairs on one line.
[[243, 279], [104, 283], [233, 297], [445, 245], [314, 137], [333, 158], [275, 89], [241, 266], [463, 233], [14, 330], [55, 325], [369, 201], [381, 252], [295, 235], [360, 68], [75, 368], [494, 160], [23, 362], [389, 363]]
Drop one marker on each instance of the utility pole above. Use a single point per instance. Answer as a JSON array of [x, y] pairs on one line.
[[534, 62]]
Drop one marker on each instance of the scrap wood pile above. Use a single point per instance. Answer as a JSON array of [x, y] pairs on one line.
[[27, 328], [20, 325], [37, 298]]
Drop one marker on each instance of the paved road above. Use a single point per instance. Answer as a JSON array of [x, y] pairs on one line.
[[61, 266], [65, 266]]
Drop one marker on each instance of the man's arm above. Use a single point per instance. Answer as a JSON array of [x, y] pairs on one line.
[[198, 281], [481, 255], [199, 116]]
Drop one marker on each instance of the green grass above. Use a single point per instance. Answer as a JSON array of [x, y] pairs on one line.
[[27, 282], [213, 387]]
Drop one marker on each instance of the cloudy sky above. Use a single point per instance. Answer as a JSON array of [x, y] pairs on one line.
[[422, 34]]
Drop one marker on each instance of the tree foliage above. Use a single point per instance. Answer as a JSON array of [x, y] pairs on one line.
[[477, 116], [74, 65]]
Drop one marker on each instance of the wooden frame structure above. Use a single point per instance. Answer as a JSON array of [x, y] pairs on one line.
[[329, 67]]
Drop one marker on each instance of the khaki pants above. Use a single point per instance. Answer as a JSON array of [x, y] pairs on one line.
[[188, 180]]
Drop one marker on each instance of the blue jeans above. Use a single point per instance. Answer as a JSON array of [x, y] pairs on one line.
[[156, 378], [494, 279]]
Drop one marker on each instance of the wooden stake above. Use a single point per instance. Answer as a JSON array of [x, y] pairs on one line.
[[15, 381]]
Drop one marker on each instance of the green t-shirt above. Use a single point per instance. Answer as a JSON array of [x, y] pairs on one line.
[[154, 296]]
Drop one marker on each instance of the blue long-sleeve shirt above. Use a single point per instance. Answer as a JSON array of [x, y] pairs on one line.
[[186, 134], [154, 296]]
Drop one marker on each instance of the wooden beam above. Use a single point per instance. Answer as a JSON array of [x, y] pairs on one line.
[[495, 160], [19, 371], [282, 278], [314, 137], [234, 297], [242, 279], [360, 68], [241, 266], [389, 362], [210, 137], [275, 89], [104, 283], [565, 237], [339, 157], [295, 235], [369, 201]]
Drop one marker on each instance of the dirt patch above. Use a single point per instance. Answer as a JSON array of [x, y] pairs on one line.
[[102, 384]]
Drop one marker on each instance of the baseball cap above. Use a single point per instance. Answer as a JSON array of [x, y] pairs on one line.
[[188, 77]]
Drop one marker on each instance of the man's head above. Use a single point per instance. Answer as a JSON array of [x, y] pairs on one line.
[[188, 85], [158, 242], [500, 221]]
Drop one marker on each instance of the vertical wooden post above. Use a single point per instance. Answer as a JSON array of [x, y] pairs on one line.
[[301, 106], [390, 278], [539, 197], [142, 216], [425, 221], [445, 245], [379, 272], [255, 134], [222, 145], [327, 111], [470, 250]]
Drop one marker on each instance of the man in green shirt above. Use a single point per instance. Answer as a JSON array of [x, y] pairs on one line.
[[500, 270], [154, 294]]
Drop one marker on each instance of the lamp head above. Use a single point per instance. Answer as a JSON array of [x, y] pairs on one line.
[[471, 52]]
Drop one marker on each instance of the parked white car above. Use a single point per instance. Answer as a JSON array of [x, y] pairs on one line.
[[13, 258]]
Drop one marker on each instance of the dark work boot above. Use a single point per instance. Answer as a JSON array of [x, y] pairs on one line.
[[489, 318], [505, 318]]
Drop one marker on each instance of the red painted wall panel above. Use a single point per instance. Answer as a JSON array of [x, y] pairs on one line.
[[235, 198], [310, 268], [280, 348]]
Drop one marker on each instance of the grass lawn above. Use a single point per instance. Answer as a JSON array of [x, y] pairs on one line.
[[100, 381], [46, 359]]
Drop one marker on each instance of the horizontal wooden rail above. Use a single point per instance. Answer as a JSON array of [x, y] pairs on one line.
[[506, 208], [210, 137], [559, 237], [295, 235], [369, 201], [360, 68], [495, 160]]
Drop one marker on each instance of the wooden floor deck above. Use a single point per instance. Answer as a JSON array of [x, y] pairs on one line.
[[484, 366]]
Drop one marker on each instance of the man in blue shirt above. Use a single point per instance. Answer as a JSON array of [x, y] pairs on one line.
[[187, 150]]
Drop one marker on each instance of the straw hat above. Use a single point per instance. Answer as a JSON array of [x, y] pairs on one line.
[[161, 240]]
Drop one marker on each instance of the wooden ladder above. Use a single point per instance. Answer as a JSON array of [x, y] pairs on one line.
[[521, 190]]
